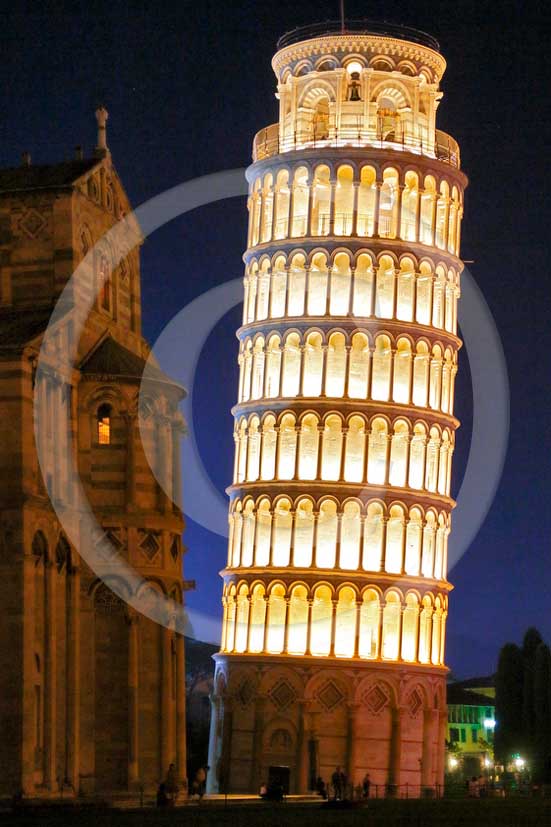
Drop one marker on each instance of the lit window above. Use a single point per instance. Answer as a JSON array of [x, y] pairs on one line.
[[104, 424]]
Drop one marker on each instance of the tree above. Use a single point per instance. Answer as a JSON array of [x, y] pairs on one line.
[[509, 702], [542, 708], [532, 641]]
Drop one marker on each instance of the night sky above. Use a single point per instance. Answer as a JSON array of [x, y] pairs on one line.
[[186, 91]]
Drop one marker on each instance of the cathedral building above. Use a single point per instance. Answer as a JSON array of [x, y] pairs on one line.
[[335, 592], [92, 692]]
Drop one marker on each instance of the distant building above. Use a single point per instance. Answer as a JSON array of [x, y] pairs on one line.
[[471, 723]]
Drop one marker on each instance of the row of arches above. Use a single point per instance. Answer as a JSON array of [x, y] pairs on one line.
[[355, 450], [357, 62], [329, 200], [344, 366], [321, 286], [349, 537], [324, 622]]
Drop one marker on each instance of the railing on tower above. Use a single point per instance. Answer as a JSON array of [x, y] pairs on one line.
[[380, 28], [268, 143]]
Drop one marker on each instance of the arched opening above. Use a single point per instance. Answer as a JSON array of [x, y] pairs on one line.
[[298, 621], [388, 204], [322, 614], [269, 442], [320, 120], [363, 286], [273, 366], [417, 456], [395, 540], [258, 619], [425, 630], [103, 419], [257, 388], [279, 288], [409, 628], [402, 371], [297, 286], [340, 285], [317, 290], [358, 368], [410, 204], [391, 626], [291, 365], [300, 202], [287, 447], [304, 534], [345, 623], [248, 534], [282, 202], [313, 365], [354, 460], [399, 454], [263, 533], [263, 298], [428, 201], [369, 625], [344, 200], [350, 537], [421, 375], [276, 620], [336, 366], [321, 201], [332, 448], [283, 525], [377, 452], [309, 448], [367, 194], [373, 538], [267, 208], [406, 290], [423, 303], [242, 619], [413, 542], [326, 540], [384, 299], [382, 356]]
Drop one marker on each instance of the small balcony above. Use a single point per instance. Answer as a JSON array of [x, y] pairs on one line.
[[267, 143]]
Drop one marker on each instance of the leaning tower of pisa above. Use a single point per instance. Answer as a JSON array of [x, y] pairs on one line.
[[335, 591]]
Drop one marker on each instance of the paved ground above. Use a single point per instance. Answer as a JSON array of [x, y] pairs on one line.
[[452, 813]]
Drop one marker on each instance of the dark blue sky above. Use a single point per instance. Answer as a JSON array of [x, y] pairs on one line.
[[186, 91]]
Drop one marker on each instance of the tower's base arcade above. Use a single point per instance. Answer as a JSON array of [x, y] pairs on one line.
[[301, 720]]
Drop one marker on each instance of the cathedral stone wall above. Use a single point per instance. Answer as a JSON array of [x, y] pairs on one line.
[[93, 694]]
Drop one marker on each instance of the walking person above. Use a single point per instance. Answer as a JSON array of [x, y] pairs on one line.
[[171, 784], [336, 780], [366, 784]]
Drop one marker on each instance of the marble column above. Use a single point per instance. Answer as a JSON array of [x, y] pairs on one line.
[[395, 762], [133, 699], [28, 734], [257, 751], [181, 734], [73, 682], [50, 674], [429, 722], [352, 744], [166, 701]]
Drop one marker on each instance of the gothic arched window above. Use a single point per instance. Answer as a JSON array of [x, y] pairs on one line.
[[103, 417]]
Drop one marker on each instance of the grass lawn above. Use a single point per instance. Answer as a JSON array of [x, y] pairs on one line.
[[514, 812]]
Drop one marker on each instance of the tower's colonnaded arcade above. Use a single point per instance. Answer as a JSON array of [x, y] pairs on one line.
[[335, 592]]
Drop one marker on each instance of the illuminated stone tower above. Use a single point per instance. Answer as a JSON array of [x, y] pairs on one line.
[[335, 592]]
